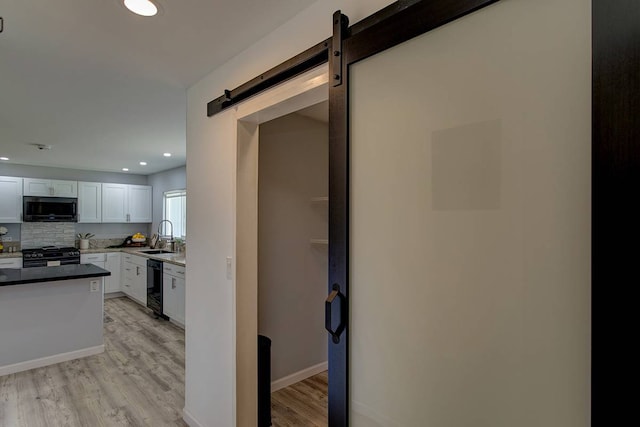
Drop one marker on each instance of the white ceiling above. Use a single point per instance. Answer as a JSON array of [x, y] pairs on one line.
[[107, 88]]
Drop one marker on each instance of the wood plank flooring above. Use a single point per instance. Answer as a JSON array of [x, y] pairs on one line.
[[137, 381], [301, 404]]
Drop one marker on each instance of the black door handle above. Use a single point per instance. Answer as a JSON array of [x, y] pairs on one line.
[[328, 324]]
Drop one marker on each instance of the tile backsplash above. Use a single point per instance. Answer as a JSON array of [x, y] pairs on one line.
[[38, 234], [29, 235]]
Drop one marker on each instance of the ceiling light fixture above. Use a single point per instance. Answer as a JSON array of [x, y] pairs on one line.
[[167, 154], [125, 169], [4, 158], [143, 163], [141, 7]]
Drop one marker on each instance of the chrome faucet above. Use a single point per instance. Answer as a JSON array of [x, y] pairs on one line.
[[170, 242]]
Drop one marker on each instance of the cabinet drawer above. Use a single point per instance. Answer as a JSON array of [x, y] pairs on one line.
[[134, 270], [89, 258], [174, 270], [135, 259], [11, 263]]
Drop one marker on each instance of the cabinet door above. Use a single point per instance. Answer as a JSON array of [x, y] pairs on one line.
[[11, 197], [168, 297], [112, 283], [140, 284], [128, 278], [64, 188], [140, 203], [179, 300], [37, 187], [89, 202], [114, 203]]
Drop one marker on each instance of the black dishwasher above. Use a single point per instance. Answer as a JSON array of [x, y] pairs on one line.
[[154, 286]]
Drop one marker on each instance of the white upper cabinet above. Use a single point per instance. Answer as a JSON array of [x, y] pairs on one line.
[[10, 199], [126, 203], [64, 188], [89, 202], [140, 203], [50, 188], [115, 206]]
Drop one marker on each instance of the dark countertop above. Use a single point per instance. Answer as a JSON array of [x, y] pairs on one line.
[[25, 276]]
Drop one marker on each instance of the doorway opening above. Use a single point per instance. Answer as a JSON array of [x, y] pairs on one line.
[[293, 169], [280, 115]]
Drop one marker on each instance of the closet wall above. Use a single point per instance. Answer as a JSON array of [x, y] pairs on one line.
[[292, 279]]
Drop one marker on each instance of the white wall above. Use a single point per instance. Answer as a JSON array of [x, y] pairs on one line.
[[292, 273], [211, 156]]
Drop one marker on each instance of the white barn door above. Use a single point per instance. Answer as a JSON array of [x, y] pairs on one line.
[[469, 226]]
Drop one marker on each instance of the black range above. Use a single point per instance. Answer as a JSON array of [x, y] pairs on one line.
[[50, 256]]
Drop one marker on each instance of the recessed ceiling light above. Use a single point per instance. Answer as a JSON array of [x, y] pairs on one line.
[[167, 154], [125, 169], [141, 7], [143, 163], [4, 158]]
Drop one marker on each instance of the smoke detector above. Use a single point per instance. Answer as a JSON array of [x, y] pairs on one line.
[[42, 146]]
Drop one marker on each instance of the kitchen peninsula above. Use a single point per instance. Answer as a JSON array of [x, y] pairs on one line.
[[50, 315]]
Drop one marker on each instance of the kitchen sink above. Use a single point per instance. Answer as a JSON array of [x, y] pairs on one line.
[[156, 252]]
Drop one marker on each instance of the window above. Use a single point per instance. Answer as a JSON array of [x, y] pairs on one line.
[[175, 210]]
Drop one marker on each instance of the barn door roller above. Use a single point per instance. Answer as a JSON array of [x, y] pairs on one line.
[[340, 27]]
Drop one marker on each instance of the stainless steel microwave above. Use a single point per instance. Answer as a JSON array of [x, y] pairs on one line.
[[50, 209]]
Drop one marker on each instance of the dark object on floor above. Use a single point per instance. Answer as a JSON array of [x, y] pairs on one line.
[[264, 381]]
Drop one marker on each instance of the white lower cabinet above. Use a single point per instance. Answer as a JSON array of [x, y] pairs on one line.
[[127, 277], [173, 290], [13, 263], [97, 259], [112, 264], [134, 277]]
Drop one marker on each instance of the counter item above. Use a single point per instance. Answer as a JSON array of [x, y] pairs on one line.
[[154, 241]]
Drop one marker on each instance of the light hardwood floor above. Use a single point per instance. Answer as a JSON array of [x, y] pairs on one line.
[[137, 381], [301, 404]]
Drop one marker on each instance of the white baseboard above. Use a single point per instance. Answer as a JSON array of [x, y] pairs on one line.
[[188, 418], [178, 324], [116, 294], [298, 376], [50, 360]]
